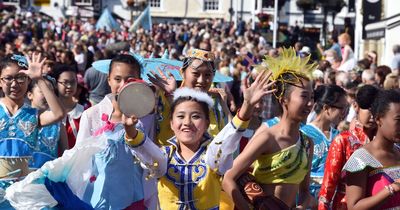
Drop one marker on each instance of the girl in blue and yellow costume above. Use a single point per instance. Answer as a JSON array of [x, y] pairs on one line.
[[20, 123], [51, 139], [282, 155], [196, 161], [331, 107], [198, 72], [101, 171]]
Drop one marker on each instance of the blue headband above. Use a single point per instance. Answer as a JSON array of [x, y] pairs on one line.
[[21, 60]]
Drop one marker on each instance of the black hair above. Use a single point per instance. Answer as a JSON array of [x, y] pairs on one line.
[[204, 106], [8, 61], [365, 96], [59, 68], [33, 84], [381, 104], [327, 95], [127, 59], [284, 89]]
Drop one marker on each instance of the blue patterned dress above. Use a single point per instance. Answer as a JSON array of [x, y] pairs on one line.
[[47, 146], [321, 147], [18, 140]]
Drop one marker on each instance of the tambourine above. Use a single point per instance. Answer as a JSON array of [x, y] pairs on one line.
[[136, 98]]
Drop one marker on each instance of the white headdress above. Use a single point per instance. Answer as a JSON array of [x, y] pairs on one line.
[[198, 95]]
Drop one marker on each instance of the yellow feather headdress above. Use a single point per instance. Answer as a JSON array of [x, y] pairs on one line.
[[288, 62]]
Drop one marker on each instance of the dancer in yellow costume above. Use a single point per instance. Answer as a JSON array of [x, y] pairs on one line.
[[282, 155], [198, 72], [196, 161]]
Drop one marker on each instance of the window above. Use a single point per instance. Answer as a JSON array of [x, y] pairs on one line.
[[83, 2], [155, 3], [211, 5]]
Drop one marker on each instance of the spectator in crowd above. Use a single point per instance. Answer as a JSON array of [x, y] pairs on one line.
[[380, 74], [395, 65], [348, 61], [391, 81], [332, 57], [368, 77]]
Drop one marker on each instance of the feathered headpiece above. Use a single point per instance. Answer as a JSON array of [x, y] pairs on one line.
[[195, 94], [287, 63]]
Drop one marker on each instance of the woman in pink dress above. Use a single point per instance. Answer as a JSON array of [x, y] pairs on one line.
[[372, 172]]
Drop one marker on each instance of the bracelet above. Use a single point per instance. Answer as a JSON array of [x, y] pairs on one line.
[[130, 139], [390, 189]]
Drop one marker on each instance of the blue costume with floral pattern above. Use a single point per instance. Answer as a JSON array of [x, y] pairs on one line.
[[47, 146], [18, 140]]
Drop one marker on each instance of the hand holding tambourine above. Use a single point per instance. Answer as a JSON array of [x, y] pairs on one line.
[[136, 99]]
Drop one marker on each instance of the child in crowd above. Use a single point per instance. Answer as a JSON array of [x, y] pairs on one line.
[[51, 138], [67, 83], [362, 130], [373, 171], [330, 107], [20, 123], [196, 161], [101, 171], [282, 154]]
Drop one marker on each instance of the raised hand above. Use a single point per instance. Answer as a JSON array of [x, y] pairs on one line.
[[167, 84], [34, 66], [219, 92], [253, 93]]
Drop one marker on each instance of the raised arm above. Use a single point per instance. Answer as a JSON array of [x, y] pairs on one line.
[[56, 112], [150, 155], [219, 152]]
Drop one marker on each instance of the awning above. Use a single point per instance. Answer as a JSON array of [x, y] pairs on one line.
[[377, 30]]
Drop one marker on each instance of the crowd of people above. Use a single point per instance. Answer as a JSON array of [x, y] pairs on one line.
[[287, 132]]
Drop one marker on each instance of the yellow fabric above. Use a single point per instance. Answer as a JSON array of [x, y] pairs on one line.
[[198, 187], [226, 202], [240, 124], [164, 132], [216, 124], [139, 138], [290, 165]]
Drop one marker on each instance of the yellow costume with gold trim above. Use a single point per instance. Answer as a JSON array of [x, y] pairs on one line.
[[196, 183]]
